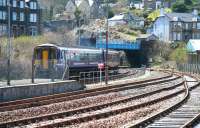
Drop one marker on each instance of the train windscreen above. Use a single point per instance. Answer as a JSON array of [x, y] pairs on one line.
[[44, 56]]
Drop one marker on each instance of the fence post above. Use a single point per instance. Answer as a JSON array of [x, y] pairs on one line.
[[33, 72], [52, 71]]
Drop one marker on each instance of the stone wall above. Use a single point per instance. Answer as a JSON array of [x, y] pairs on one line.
[[33, 90]]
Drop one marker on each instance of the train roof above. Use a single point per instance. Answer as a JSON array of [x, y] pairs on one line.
[[74, 49]]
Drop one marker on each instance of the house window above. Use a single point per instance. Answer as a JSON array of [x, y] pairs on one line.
[[14, 3], [186, 26], [194, 25], [2, 15], [198, 25], [2, 2], [21, 16], [33, 17], [21, 4], [178, 36], [194, 35], [179, 24], [3, 30], [33, 5], [174, 35], [14, 16]]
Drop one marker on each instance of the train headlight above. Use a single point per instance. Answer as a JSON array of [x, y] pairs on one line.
[[54, 61], [37, 62]]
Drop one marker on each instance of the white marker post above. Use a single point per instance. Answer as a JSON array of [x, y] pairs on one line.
[[101, 66]]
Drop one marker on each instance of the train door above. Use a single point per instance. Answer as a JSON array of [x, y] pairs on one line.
[[45, 56]]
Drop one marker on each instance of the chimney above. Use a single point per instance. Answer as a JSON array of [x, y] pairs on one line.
[[195, 12], [161, 11]]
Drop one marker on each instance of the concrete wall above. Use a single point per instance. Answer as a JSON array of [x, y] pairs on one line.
[[33, 90]]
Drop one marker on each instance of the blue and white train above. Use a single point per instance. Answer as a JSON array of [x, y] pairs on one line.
[[77, 60]]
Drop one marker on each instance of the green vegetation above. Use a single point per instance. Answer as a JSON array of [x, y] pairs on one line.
[[185, 5], [22, 46], [21, 56], [179, 54], [153, 15]]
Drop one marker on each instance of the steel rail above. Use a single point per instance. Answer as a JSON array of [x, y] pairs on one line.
[[86, 109], [147, 121], [109, 113], [77, 95]]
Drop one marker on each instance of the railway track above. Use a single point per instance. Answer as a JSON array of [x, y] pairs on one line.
[[45, 100], [182, 114], [82, 94]]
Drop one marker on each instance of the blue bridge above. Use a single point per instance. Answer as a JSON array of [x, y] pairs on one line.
[[118, 45]]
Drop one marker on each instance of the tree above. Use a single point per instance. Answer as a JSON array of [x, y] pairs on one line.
[[152, 16], [110, 13], [77, 15], [188, 2], [180, 7]]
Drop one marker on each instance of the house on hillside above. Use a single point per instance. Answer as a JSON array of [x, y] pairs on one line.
[[118, 20], [25, 17], [177, 26], [135, 22], [127, 19], [156, 4], [70, 9], [89, 9]]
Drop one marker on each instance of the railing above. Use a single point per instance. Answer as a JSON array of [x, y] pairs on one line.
[[190, 68], [97, 77]]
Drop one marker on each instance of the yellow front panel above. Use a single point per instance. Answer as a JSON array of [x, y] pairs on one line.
[[45, 57]]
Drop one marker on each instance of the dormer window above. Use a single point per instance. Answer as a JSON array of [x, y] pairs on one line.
[[179, 24], [175, 19]]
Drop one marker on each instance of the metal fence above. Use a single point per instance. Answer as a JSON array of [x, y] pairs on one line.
[[97, 77], [190, 68]]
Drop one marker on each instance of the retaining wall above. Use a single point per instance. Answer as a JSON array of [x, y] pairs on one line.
[[33, 90]]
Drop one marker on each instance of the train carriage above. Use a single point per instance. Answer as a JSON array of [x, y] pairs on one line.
[[49, 58]]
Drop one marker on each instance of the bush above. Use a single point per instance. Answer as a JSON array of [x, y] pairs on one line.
[[21, 56], [180, 53]]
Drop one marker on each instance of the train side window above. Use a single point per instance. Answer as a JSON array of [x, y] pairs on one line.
[[76, 57], [58, 54], [63, 55], [83, 56], [52, 54]]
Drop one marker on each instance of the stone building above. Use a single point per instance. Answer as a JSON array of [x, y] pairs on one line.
[[89, 9], [177, 26], [25, 17]]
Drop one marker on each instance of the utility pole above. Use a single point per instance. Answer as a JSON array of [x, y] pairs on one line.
[[9, 44], [106, 59]]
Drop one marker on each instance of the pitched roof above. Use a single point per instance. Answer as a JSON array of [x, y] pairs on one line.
[[185, 17], [117, 17]]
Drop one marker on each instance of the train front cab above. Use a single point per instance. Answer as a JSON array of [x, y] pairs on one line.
[[45, 58]]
